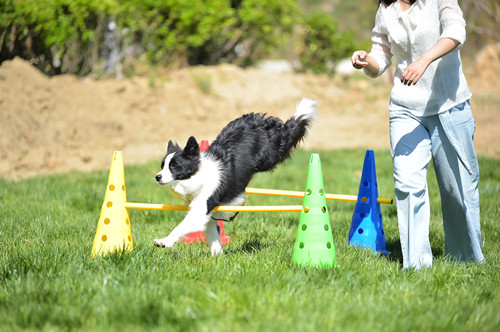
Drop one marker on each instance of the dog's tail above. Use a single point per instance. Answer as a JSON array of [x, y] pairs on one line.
[[305, 114], [306, 110]]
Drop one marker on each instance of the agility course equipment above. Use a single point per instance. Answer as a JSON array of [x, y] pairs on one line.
[[114, 232], [314, 245], [200, 236], [291, 193], [220, 208], [367, 228]]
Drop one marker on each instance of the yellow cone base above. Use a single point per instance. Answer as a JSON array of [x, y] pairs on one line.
[[114, 232]]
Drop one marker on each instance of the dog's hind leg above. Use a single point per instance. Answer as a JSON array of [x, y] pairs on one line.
[[212, 234]]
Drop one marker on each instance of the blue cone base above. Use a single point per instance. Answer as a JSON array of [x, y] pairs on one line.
[[367, 228]]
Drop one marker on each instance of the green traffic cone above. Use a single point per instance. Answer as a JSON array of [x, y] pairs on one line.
[[314, 245]]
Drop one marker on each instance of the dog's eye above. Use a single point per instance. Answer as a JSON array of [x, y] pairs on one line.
[[173, 165]]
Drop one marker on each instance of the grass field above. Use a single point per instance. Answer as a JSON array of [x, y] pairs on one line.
[[49, 282]]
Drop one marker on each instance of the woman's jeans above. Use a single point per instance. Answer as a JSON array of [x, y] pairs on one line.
[[448, 139]]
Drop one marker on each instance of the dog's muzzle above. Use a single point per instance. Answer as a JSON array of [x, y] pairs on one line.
[[158, 178]]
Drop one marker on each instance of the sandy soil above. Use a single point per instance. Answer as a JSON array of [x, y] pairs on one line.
[[51, 125]]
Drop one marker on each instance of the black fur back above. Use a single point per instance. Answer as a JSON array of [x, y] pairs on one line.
[[250, 144]]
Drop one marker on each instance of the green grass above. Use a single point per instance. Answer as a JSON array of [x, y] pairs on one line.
[[49, 282]]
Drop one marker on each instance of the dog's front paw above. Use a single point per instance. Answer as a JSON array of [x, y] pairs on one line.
[[163, 243], [216, 251]]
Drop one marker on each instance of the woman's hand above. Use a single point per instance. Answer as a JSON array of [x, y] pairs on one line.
[[358, 59], [361, 59], [414, 71]]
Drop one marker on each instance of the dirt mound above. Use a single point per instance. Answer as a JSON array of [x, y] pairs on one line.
[[56, 124], [486, 68]]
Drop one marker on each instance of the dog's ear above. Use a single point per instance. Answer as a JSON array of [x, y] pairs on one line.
[[192, 148], [173, 147]]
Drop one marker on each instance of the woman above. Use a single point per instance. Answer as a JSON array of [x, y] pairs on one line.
[[430, 116]]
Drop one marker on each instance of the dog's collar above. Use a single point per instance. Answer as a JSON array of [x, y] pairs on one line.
[[226, 220]]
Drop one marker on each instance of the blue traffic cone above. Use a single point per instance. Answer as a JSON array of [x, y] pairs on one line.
[[367, 229]]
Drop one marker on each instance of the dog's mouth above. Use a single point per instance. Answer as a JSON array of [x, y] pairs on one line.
[[161, 181], [164, 184]]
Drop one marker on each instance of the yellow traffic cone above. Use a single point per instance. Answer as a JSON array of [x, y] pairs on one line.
[[114, 232]]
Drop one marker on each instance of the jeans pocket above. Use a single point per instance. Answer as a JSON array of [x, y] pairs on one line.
[[461, 115], [460, 107]]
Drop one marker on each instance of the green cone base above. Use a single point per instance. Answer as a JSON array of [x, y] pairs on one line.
[[314, 246]]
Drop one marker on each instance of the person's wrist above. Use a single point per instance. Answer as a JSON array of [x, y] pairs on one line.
[[426, 58]]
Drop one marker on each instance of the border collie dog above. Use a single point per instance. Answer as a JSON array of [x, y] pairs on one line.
[[218, 176]]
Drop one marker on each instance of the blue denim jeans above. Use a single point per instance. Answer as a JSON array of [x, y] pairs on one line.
[[448, 139]]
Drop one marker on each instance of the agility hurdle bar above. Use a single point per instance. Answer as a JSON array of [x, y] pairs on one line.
[[264, 208], [291, 193], [222, 208]]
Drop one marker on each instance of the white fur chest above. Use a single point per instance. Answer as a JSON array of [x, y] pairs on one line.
[[201, 185]]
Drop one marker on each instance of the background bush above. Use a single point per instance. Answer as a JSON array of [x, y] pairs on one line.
[[55, 35], [324, 43], [84, 36]]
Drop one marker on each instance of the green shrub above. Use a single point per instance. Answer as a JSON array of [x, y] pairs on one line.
[[269, 25], [324, 44], [69, 36], [54, 31], [172, 31]]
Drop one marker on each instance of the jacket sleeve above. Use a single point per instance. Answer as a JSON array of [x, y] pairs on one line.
[[381, 47], [452, 20]]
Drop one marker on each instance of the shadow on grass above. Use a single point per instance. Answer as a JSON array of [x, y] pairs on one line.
[[394, 247], [396, 255], [251, 245]]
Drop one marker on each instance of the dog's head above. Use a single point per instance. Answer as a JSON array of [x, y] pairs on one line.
[[179, 164]]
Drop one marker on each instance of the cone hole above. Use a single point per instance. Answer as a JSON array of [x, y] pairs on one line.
[[360, 231], [308, 192], [321, 192], [106, 221], [365, 183], [104, 238], [129, 238], [306, 209], [326, 227], [111, 187], [364, 199], [304, 227], [109, 204], [301, 245], [323, 209], [328, 245], [127, 221], [123, 187]]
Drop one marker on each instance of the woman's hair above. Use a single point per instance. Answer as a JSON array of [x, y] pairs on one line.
[[390, 2]]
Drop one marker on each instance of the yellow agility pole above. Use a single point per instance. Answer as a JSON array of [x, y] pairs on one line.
[[291, 193], [222, 208], [149, 206]]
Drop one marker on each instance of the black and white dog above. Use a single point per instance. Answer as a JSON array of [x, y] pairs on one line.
[[218, 176]]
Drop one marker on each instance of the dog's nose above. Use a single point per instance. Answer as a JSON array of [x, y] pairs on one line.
[[158, 177]]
